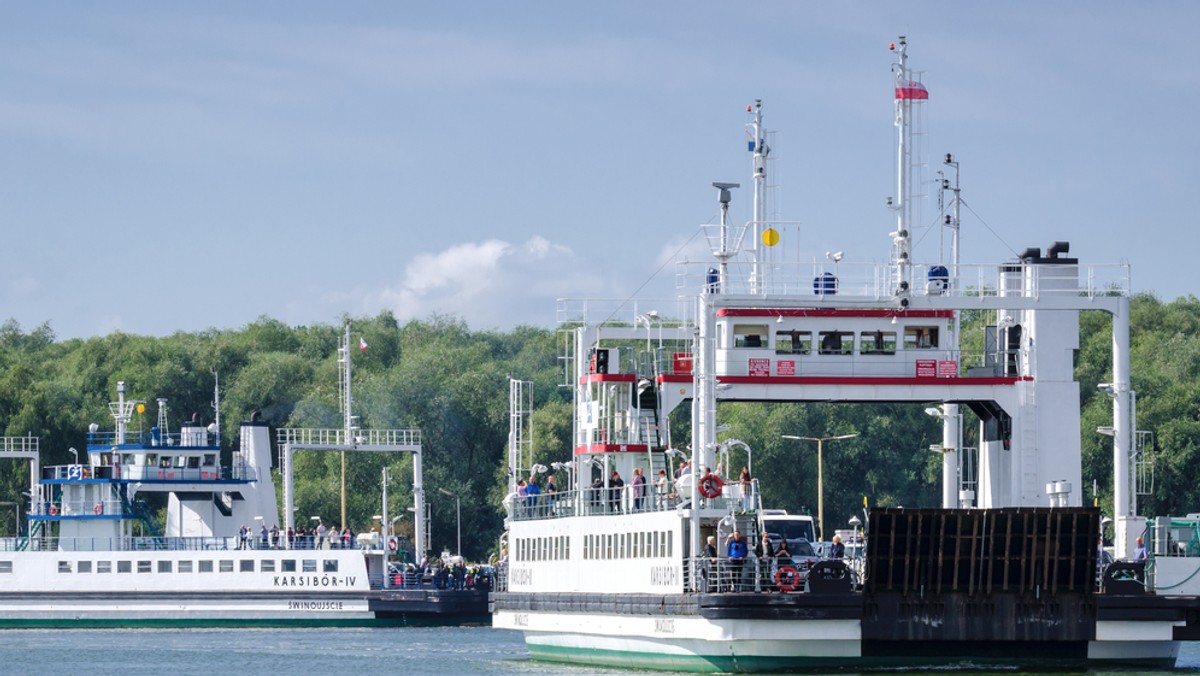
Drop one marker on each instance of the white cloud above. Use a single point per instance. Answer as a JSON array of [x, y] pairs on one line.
[[492, 283]]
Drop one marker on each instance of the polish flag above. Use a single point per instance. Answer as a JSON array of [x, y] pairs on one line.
[[911, 89], [362, 344]]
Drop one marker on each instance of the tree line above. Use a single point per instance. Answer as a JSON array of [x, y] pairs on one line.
[[451, 382]]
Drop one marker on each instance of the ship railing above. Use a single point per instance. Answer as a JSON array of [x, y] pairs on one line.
[[476, 577], [25, 446], [301, 437], [240, 472], [757, 575], [153, 438], [132, 544], [820, 277], [602, 501]]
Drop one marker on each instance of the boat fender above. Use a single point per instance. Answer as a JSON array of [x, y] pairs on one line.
[[393, 545], [53, 510], [98, 509], [710, 486], [787, 579]]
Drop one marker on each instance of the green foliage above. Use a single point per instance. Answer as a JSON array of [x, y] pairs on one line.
[[450, 382]]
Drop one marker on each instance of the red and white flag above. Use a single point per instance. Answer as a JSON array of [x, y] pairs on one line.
[[911, 89], [362, 344]]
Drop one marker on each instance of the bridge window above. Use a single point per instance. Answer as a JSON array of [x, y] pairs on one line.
[[104, 566], [206, 566], [124, 566], [144, 567], [920, 337], [793, 342], [749, 335], [877, 342], [267, 566], [164, 566], [287, 565], [193, 462], [836, 342], [329, 566], [246, 566], [185, 566], [226, 565], [83, 567], [210, 459]]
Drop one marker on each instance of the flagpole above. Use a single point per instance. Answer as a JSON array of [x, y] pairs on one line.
[[349, 421]]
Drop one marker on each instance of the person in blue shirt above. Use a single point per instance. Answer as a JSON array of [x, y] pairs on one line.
[[1139, 552], [736, 550], [532, 491]]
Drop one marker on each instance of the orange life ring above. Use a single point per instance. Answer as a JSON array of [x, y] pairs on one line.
[[98, 509], [53, 510], [787, 579], [710, 486]]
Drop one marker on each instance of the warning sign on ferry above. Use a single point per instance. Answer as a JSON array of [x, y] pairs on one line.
[[760, 367], [947, 368], [785, 367], [926, 368]]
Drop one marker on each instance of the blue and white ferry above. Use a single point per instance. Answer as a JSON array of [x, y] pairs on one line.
[[92, 555]]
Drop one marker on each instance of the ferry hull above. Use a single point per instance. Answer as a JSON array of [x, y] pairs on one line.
[[749, 646]]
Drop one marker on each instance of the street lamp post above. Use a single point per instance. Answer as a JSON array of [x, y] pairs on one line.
[[457, 517], [820, 482]]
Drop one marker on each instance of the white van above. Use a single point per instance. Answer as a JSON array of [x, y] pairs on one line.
[[778, 524]]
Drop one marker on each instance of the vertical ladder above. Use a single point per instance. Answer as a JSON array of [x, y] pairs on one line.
[[520, 436]]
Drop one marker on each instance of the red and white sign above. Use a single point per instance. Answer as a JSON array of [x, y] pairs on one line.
[[681, 363], [785, 367], [947, 369], [926, 368], [759, 367]]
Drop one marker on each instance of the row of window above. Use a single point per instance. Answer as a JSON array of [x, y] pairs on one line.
[[556, 548], [640, 545], [188, 566], [795, 341]]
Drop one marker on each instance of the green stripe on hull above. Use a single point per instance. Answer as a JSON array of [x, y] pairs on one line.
[[768, 663], [681, 662]]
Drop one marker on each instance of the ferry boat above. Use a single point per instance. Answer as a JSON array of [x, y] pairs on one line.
[[93, 555], [1007, 572]]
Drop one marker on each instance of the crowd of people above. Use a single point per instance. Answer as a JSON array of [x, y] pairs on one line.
[[318, 537], [537, 499]]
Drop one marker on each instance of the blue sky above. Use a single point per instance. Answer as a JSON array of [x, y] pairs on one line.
[[168, 167]]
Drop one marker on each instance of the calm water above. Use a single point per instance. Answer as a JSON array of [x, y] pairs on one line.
[[364, 652]]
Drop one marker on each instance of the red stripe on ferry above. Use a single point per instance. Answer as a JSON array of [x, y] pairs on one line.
[[607, 378], [831, 312], [850, 380], [611, 448]]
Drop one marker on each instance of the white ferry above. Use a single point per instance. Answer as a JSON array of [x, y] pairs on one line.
[[92, 555], [1005, 573]]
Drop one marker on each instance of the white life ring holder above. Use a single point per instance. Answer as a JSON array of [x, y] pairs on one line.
[[393, 544], [710, 486], [98, 509]]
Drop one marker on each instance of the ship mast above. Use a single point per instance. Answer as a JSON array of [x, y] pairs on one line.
[[758, 146], [908, 91]]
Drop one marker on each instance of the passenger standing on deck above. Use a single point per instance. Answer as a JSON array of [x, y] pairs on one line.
[[765, 555], [242, 534], [838, 550], [639, 490], [615, 485], [320, 535], [660, 488], [264, 536], [275, 536], [747, 488], [532, 493], [1139, 552], [735, 550], [291, 538], [710, 560]]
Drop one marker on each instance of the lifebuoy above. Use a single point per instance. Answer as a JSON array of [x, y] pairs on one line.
[[393, 545], [710, 486], [53, 510], [98, 509], [787, 579]]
